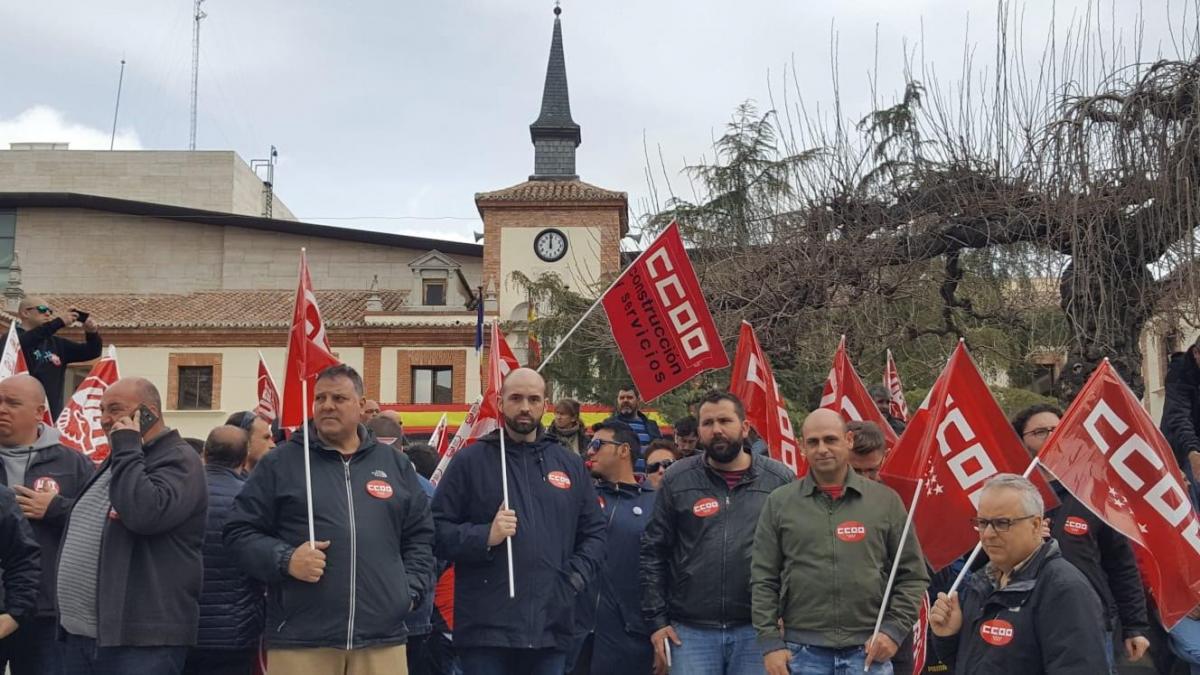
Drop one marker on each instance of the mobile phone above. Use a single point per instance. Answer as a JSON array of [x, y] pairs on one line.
[[83, 316], [146, 418]]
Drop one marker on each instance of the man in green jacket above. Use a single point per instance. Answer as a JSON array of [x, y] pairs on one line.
[[822, 553]]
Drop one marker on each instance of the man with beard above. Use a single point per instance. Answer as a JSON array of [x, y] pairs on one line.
[[557, 550], [695, 555], [629, 413], [612, 638]]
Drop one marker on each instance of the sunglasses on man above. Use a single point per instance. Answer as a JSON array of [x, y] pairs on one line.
[[653, 467]]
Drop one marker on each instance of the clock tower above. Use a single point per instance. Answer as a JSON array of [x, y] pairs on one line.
[[553, 222]]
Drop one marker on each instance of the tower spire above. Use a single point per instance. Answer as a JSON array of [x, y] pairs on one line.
[[554, 134]]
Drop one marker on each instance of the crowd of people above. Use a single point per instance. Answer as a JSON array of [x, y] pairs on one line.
[[609, 550]]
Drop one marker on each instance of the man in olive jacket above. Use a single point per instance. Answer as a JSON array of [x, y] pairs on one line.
[[822, 552]]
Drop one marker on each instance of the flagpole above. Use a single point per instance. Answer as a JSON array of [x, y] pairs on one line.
[[312, 534], [512, 593], [979, 547], [887, 591]]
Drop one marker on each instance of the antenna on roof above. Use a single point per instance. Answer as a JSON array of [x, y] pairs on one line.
[[117, 109], [197, 16], [269, 182]]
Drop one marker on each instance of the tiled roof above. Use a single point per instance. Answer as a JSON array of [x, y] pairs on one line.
[[224, 309], [551, 191]]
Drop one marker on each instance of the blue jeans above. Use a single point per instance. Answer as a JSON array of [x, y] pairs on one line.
[[716, 651], [502, 661], [812, 660], [1185, 643], [81, 656]]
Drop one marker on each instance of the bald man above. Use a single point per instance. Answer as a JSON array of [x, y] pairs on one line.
[[822, 553], [130, 570], [557, 533], [48, 355], [46, 478]]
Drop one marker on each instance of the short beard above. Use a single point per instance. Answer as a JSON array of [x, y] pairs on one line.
[[520, 427], [722, 452], [628, 410]]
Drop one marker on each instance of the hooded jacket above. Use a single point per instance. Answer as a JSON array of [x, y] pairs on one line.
[[47, 465], [1046, 620], [48, 355], [557, 551], [379, 563], [1181, 409]]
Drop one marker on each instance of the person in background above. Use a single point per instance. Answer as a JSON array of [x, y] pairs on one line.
[[630, 414], [866, 457], [883, 401], [260, 432], [47, 478], [19, 577], [370, 410], [47, 355], [686, 435], [423, 457], [660, 454], [231, 603], [566, 428]]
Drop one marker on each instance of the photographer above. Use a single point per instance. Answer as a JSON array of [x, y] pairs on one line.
[[47, 355]]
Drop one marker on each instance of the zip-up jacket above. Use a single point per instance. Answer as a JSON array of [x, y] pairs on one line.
[[48, 355], [19, 552], [1105, 558], [695, 555], [51, 467], [1046, 620], [150, 564], [1181, 407], [379, 563], [652, 430], [231, 604], [611, 606], [557, 551], [822, 565]]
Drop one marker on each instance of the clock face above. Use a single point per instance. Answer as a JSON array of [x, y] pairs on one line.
[[550, 245]]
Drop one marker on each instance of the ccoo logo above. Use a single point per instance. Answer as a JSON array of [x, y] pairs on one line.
[[45, 484], [1075, 526], [559, 480], [705, 507], [851, 531], [996, 632], [379, 489]]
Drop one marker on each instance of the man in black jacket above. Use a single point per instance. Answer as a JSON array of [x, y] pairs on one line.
[[46, 477], [338, 603], [629, 413], [48, 355], [231, 604], [1181, 411], [556, 551], [130, 569], [696, 552], [19, 577], [1029, 611]]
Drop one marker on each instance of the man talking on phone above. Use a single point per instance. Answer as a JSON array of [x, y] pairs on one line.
[[48, 355], [130, 566]]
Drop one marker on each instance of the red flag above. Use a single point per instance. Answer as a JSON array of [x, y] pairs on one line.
[[12, 361], [308, 351], [1112, 457], [957, 439], [439, 440], [845, 392], [660, 319], [891, 382], [268, 393], [754, 383], [79, 422], [920, 635]]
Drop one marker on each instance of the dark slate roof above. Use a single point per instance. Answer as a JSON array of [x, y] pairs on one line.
[[555, 118]]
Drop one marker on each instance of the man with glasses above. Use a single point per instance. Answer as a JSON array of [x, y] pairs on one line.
[[1029, 611], [261, 433], [48, 355], [611, 636], [1100, 552]]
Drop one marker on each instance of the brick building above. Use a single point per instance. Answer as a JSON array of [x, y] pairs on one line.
[[188, 261]]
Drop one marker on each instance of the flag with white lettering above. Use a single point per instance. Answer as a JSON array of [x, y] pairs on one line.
[[12, 361], [1109, 454], [957, 440], [920, 635], [845, 393], [440, 440], [660, 319], [308, 351], [79, 423], [891, 382], [268, 393], [753, 381]]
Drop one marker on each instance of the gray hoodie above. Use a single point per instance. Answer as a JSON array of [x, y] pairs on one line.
[[17, 459]]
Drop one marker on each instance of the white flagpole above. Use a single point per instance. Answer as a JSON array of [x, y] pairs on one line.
[[312, 533], [887, 591], [512, 592], [979, 547]]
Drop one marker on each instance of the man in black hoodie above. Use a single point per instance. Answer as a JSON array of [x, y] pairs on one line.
[[557, 548], [47, 355], [46, 477], [1181, 411]]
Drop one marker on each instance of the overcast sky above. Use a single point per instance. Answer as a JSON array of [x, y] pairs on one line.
[[403, 110]]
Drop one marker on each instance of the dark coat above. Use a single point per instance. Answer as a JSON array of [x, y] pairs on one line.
[[231, 603], [652, 430], [22, 566], [557, 551], [1181, 409], [151, 566], [1048, 619], [47, 356], [379, 564]]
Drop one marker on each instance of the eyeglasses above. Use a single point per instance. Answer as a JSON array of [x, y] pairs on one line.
[[997, 524], [1042, 433], [597, 443], [652, 467], [43, 309]]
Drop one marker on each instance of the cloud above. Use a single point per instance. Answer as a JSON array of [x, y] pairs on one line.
[[43, 124]]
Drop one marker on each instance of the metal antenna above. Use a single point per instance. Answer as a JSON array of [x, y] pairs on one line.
[[117, 109], [197, 15]]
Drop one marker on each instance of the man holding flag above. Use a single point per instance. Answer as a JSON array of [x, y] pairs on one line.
[[819, 551], [555, 526]]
